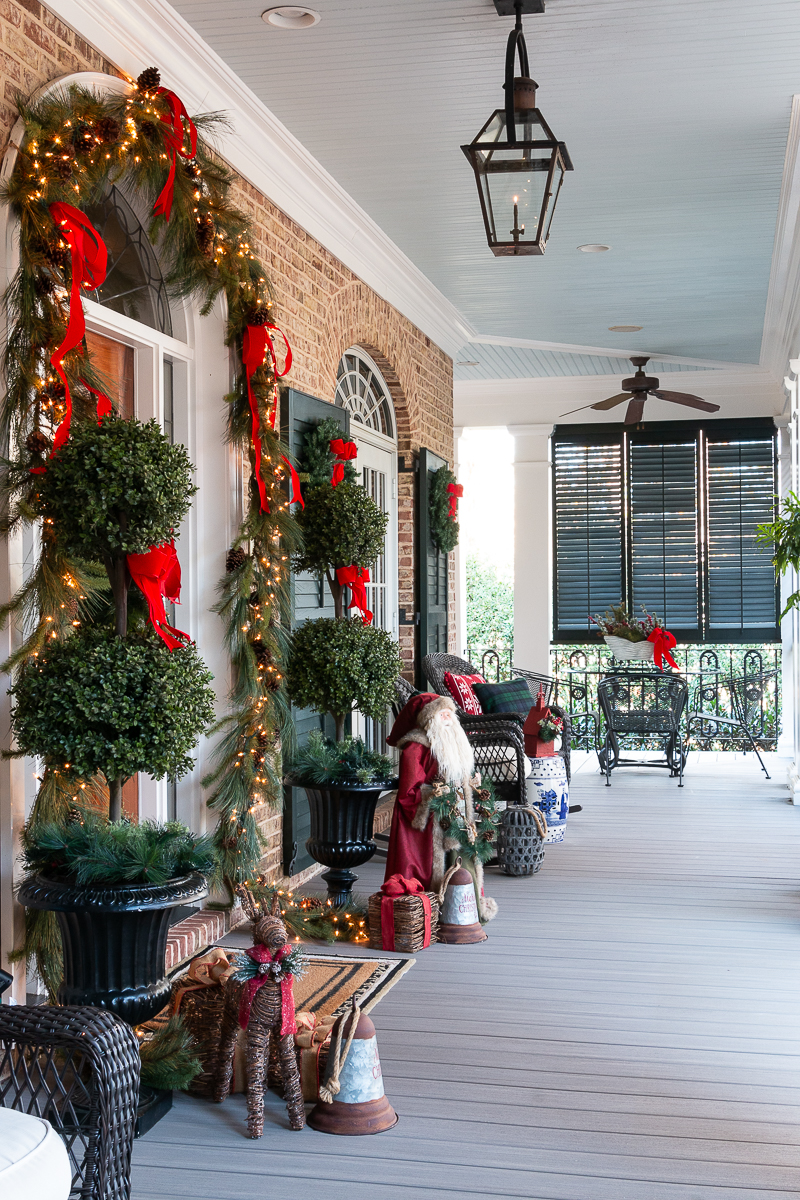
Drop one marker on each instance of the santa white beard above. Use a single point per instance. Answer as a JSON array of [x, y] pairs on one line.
[[451, 749]]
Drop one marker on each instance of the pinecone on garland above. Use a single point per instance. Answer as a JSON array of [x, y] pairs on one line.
[[83, 137], [149, 79], [36, 443], [43, 284], [191, 169], [235, 560], [149, 131], [259, 316], [71, 609], [109, 130], [261, 653], [204, 233]]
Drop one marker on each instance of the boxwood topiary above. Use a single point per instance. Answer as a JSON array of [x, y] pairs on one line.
[[342, 526]]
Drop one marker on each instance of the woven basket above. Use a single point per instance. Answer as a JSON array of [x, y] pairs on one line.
[[409, 922], [622, 649], [520, 840], [202, 1015]]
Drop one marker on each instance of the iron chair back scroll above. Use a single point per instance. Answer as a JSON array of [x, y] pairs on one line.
[[747, 693], [647, 705]]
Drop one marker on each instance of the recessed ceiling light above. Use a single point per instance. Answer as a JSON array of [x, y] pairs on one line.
[[593, 248], [625, 328], [468, 363], [291, 16]]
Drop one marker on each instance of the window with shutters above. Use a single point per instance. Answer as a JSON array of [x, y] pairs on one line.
[[666, 517]]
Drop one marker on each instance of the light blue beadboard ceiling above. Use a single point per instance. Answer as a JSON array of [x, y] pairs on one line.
[[488, 361], [676, 116]]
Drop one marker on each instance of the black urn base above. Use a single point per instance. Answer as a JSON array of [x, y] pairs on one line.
[[114, 939], [341, 833], [154, 1103]]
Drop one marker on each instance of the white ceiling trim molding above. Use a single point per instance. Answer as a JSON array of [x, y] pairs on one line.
[[134, 34], [604, 352], [781, 338]]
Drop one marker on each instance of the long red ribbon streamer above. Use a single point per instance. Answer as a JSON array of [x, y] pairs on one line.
[[398, 885], [89, 264], [257, 342], [663, 641], [158, 574], [344, 451], [178, 122], [456, 491], [260, 954], [355, 577]]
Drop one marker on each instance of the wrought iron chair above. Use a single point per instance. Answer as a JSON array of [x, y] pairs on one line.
[[645, 704], [79, 1069], [747, 693]]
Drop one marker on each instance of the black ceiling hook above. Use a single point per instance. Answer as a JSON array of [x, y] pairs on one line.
[[515, 46]]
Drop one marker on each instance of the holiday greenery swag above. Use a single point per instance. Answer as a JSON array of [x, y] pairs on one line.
[[443, 496], [347, 763], [615, 622], [310, 917], [474, 840]]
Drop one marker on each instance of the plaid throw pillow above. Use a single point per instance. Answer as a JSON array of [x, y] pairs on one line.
[[460, 688], [511, 697]]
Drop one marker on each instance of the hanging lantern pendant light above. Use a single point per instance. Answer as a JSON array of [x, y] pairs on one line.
[[518, 162]]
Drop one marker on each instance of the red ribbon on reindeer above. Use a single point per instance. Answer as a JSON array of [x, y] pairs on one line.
[[256, 343], [89, 264], [398, 885], [663, 641], [344, 451], [158, 574], [262, 956], [355, 577], [456, 491], [178, 123]]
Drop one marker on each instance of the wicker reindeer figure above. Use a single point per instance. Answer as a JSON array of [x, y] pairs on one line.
[[259, 999]]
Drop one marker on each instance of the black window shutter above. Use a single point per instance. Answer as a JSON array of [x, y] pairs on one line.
[[311, 600], [742, 595], [432, 572], [664, 556], [587, 483]]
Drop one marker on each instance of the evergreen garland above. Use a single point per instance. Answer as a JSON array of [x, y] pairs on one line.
[[169, 1056], [310, 917], [473, 841], [444, 528]]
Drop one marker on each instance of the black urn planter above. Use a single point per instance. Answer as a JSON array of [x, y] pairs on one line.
[[114, 938], [341, 832]]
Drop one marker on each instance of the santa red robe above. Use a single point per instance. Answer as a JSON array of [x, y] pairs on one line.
[[410, 851]]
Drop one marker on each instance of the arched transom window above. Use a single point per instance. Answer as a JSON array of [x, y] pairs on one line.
[[361, 389]]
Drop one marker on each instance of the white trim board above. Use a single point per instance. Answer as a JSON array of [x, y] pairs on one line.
[[604, 352], [134, 33], [781, 339]]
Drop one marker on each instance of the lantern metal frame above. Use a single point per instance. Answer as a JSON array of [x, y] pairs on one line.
[[520, 108]]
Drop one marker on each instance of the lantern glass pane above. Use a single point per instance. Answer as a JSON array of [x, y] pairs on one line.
[[512, 177]]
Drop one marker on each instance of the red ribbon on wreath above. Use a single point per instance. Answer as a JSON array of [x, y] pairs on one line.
[[255, 345], [456, 491], [178, 123], [398, 885], [355, 577], [158, 574], [663, 641], [262, 956], [344, 451], [89, 264]]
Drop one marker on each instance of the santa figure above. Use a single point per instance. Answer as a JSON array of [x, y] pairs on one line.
[[435, 755]]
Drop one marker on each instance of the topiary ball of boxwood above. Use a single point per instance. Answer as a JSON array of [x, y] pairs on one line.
[[119, 487], [341, 526], [335, 665], [100, 703]]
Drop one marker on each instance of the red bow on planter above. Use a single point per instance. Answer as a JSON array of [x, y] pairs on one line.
[[175, 138], [89, 264], [262, 956], [398, 885], [456, 491], [355, 577], [157, 574], [344, 451], [663, 641], [254, 349]]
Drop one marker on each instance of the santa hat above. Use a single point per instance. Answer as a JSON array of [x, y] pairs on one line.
[[418, 714]]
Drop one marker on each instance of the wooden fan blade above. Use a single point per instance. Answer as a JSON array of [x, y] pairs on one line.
[[635, 410], [582, 408], [687, 399], [612, 401]]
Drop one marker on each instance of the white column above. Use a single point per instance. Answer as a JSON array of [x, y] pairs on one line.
[[533, 570], [460, 561], [790, 626]]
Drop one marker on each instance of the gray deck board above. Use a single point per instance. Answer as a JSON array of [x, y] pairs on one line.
[[630, 1031]]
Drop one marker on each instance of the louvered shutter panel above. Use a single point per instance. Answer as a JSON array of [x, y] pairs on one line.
[[587, 481], [664, 532], [741, 578], [432, 571]]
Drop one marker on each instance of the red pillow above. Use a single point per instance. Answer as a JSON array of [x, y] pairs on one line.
[[460, 688]]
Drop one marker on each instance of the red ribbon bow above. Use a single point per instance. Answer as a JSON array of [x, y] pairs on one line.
[[89, 264], [260, 955], [355, 577], [456, 491], [157, 574], [254, 349], [178, 122], [663, 641], [398, 885], [344, 451]]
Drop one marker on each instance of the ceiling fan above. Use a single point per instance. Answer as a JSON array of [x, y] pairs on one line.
[[637, 388]]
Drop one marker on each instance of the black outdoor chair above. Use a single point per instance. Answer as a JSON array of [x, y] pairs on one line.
[[79, 1069], [747, 693], [647, 705]]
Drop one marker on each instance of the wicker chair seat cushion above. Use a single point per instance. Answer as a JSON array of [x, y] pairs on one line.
[[461, 689], [513, 696], [33, 1158]]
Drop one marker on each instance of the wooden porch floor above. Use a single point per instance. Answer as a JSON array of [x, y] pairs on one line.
[[629, 1031]]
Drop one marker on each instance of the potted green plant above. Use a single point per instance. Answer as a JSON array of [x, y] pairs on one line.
[[336, 665], [782, 537], [115, 698]]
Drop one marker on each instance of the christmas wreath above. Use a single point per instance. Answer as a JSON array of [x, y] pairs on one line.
[[444, 495]]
